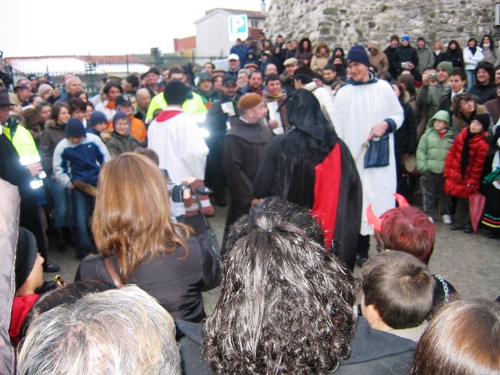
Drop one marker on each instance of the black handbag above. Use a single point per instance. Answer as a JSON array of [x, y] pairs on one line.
[[377, 154]]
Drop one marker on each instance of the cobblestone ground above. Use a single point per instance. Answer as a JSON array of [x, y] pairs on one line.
[[470, 262]]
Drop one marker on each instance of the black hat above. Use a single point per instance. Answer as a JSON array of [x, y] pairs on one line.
[[4, 98], [204, 77], [21, 87], [359, 55], [229, 80], [175, 92], [123, 99], [25, 256], [74, 128], [152, 70], [484, 119]]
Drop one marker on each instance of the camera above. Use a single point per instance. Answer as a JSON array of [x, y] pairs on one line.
[[432, 76], [176, 191]]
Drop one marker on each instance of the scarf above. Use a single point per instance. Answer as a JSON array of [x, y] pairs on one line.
[[111, 104], [464, 159]]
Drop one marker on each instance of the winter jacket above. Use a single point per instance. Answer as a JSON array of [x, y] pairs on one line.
[[471, 59], [379, 60], [484, 93], [302, 56], [405, 54], [137, 127], [425, 58], [118, 144], [455, 57], [80, 162], [405, 138], [456, 185], [430, 96], [51, 136], [193, 105], [318, 60], [432, 149]]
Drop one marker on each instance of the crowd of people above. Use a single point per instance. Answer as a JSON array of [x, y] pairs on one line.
[[312, 148]]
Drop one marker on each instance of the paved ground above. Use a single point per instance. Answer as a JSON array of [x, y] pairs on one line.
[[470, 262]]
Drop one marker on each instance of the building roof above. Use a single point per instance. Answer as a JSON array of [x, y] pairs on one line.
[[58, 65], [184, 43], [249, 13]]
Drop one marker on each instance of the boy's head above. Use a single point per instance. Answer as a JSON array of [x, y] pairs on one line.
[[398, 291], [441, 120], [480, 123], [121, 123], [98, 121], [175, 92], [29, 269], [75, 131], [78, 108]]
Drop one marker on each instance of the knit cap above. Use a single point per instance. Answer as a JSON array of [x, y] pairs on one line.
[[74, 128], [119, 115], [484, 119], [405, 38], [358, 54], [446, 65], [97, 117], [25, 256], [44, 87]]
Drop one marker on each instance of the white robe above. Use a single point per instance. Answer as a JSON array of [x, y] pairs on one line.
[[356, 109], [179, 145]]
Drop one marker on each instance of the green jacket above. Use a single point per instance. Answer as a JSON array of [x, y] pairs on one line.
[[430, 96], [432, 150], [192, 107]]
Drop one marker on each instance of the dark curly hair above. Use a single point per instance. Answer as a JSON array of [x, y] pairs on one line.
[[286, 303]]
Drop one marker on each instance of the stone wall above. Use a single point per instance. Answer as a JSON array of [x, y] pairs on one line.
[[345, 23]]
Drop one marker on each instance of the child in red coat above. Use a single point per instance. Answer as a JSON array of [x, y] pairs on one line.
[[463, 168]]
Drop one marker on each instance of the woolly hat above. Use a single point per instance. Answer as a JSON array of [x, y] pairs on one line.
[[229, 80], [484, 119], [74, 128], [175, 92], [25, 256], [358, 54], [405, 38], [97, 117], [117, 116], [249, 101], [44, 87], [446, 65], [204, 77]]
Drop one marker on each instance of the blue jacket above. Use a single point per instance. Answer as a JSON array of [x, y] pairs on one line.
[[81, 162]]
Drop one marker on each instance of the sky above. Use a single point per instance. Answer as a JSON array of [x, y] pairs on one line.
[[101, 27]]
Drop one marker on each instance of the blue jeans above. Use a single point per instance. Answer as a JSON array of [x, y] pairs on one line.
[[471, 79], [63, 209], [83, 206]]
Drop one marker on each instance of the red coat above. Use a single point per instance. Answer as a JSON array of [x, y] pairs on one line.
[[455, 185]]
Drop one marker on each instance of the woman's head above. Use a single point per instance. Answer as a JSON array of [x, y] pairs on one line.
[[463, 338], [454, 47], [472, 43], [485, 74], [400, 92], [408, 82], [61, 113], [132, 213], [112, 90], [464, 104], [437, 46], [487, 42], [304, 45]]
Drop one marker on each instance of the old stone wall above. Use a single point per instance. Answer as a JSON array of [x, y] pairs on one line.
[[347, 22]]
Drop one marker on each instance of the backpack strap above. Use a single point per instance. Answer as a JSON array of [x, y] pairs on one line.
[[112, 273]]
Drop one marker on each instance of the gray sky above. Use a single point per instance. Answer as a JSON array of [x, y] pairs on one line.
[[101, 27]]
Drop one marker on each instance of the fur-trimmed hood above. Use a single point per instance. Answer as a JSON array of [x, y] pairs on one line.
[[318, 48], [461, 123]]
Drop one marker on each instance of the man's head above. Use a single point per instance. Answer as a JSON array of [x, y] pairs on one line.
[[373, 48], [229, 86], [5, 105], [273, 84], [405, 229], [233, 62], [358, 64], [165, 73], [130, 84], [175, 92], [117, 331], [209, 67], [458, 79], [33, 82], [394, 41], [252, 108], [270, 69], [143, 98], [405, 40], [124, 103], [443, 71], [398, 291], [329, 73], [205, 82], [73, 85], [420, 42], [151, 77], [291, 65], [302, 77], [178, 74], [286, 303], [23, 90], [255, 80]]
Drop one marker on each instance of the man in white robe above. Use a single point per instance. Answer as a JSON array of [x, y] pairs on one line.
[[176, 138], [363, 109]]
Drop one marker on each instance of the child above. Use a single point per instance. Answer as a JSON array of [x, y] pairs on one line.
[[431, 154], [121, 140], [397, 293], [463, 168], [97, 125], [79, 157]]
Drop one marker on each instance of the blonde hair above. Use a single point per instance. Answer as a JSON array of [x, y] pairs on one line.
[[132, 213]]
